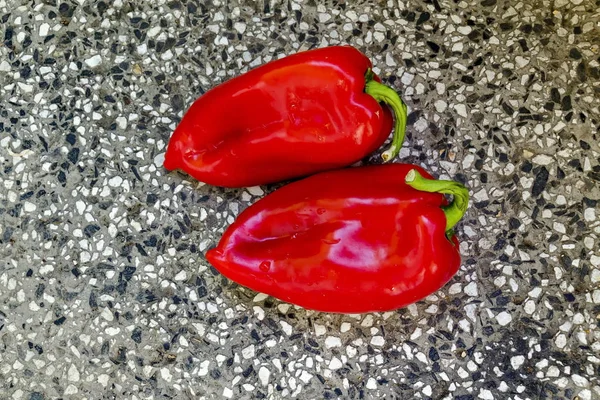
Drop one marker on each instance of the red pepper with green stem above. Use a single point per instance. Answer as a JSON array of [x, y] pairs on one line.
[[355, 240], [305, 113]]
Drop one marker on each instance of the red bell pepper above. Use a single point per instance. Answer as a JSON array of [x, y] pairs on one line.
[[305, 113], [354, 240]]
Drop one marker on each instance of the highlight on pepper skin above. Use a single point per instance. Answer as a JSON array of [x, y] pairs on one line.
[[329, 244], [259, 127]]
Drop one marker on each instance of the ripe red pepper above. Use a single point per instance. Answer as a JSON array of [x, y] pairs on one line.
[[354, 240], [305, 113]]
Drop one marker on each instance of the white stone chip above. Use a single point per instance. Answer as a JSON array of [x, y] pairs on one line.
[[107, 314], [521, 61], [372, 384], [389, 60], [335, 364], [471, 289], [73, 374], [485, 394], [461, 110], [517, 361], [4, 66], [71, 389], [580, 380], [240, 27], [504, 318], [589, 214], [465, 29], [305, 377], [154, 31], [320, 329], [112, 331], [561, 341], [543, 159], [377, 341], [263, 375], [585, 394], [287, 328], [332, 341], [255, 191], [407, 78], [29, 207], [103, 379], [181, 276], [93, 61], [44, 29], [440, 105], [529, 307], [26, 88], [115, 181], [166, 374], [324, 17], [159, 159], [248, 352]]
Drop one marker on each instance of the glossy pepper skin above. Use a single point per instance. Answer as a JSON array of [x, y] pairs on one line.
[[347, 241], [308, 112]]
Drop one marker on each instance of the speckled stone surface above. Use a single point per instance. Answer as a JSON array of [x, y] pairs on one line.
[[104, 289]]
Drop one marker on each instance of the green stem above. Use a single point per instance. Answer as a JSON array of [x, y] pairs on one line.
[[456, 209], [387, 95]]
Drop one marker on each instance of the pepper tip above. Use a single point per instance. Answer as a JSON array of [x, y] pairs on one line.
[[388, 155], [172, 155], [411, 176], [167, 164]]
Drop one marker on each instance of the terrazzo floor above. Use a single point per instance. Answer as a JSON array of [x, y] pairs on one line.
[[104, 289]]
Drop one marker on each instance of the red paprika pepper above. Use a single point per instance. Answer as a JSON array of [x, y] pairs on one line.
[[354, 240], [312, 111]]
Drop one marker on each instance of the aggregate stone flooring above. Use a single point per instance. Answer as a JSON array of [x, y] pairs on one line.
[[104, 290]]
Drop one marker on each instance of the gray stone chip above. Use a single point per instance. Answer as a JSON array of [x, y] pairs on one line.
[[104, 289]]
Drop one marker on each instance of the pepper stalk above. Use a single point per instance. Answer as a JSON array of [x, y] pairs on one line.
[[387, 95], [460, 202]]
